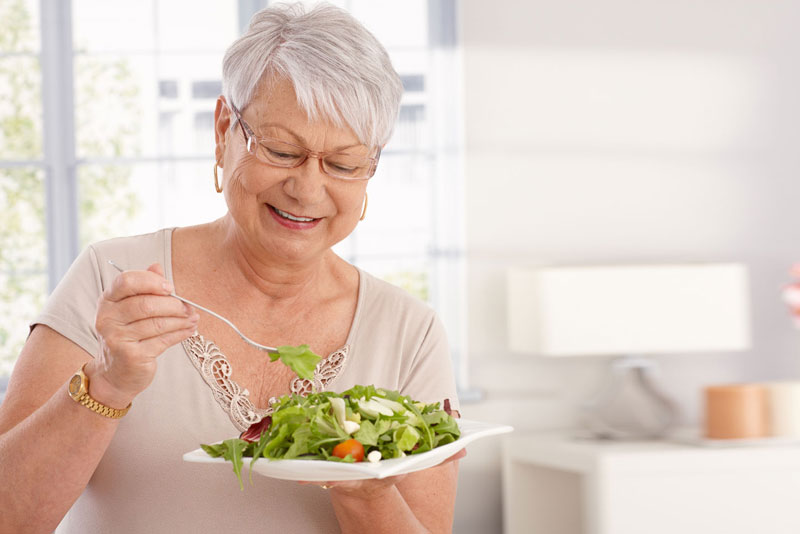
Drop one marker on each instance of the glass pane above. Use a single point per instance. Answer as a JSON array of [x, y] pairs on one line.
[[138, 105], [113, 25], [399, 214], [110, 103], [147, 75], [23, 253], [117, 200], [147, 27], [19, 26], [395, 24], [412, 130], [197, 25], [20, 108]]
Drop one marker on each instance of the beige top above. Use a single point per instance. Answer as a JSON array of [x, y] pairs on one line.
[[143, 485]]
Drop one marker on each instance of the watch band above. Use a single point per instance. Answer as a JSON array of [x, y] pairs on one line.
[[102, 409], [79, 391]]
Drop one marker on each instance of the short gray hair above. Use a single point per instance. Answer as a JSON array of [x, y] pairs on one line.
[[339, 70]]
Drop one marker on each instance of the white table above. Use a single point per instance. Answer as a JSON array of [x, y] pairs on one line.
[[558, 484]]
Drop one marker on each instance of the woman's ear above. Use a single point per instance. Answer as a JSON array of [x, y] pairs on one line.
[[222, 122]]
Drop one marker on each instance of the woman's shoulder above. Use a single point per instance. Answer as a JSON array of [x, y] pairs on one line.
[[382, 297], [150, 239], [135, 251]]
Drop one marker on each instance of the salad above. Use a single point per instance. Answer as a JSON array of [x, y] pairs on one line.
[[363, 422]]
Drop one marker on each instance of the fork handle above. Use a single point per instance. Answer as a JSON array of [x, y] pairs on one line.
[[272, 350]]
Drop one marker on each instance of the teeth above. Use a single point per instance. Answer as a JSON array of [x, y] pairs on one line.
[[292, 217]]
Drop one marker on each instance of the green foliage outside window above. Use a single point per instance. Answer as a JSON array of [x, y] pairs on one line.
[[106, 198]]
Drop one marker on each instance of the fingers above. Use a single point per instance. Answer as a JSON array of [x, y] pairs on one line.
[[363, 489], [154, 327], [457, 456], [136, 321], [131, 283], [163, 341], [139, 307], [138, 295], [156, 268]]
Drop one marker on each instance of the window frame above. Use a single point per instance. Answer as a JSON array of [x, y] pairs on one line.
[[60, 162]]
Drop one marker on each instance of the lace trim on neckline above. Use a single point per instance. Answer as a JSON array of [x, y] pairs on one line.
[[215, 369]]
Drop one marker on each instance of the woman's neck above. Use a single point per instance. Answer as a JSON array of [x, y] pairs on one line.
[[279, 280]]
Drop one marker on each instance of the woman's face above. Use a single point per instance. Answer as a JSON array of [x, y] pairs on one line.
[[295, 215]]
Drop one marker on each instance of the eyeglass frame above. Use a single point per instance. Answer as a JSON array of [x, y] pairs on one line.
[[250, 136]]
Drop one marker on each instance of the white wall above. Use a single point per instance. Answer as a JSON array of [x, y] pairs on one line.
[[627, 131]]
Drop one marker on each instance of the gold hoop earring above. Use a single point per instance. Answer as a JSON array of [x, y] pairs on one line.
[[216, 179], [364, 209]]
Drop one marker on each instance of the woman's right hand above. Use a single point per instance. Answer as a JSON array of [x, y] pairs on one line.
[[136, 322]]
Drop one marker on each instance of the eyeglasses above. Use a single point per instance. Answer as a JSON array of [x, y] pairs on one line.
[[279, 153]]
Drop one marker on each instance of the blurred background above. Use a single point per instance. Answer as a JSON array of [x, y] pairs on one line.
[[536, 132]]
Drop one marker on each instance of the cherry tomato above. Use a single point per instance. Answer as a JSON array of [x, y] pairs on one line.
[[352, 447]]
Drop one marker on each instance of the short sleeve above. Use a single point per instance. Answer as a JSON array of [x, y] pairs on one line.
[[431, 377], [71, 308]]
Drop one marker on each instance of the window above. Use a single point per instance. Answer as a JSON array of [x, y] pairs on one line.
[[23, 245], [145, 76]]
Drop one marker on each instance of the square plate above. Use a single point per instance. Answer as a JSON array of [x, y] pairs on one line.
[[324, 471]]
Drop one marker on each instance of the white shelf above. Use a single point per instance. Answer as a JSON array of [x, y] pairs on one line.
[[558, 484]]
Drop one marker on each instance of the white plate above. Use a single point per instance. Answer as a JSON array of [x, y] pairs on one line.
[[324, 471]]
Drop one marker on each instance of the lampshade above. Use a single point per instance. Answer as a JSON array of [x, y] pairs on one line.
[[628, 309]]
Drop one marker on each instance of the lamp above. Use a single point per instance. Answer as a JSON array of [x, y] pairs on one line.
[[628, 311]]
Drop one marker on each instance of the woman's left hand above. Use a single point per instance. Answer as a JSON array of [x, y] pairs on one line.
[[372, 488]]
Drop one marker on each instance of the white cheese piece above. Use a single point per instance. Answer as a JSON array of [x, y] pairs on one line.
[[350, 427]]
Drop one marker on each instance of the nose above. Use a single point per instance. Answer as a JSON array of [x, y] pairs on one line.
[[306, 183]]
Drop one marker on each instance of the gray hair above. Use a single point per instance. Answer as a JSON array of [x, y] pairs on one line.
[[339, 70]]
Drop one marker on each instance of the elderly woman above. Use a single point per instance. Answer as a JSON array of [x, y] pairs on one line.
[[309, 101]]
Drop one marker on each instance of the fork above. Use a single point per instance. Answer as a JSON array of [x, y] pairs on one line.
[[259, 346]]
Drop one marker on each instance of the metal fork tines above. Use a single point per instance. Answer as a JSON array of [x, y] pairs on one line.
[[218, 316]]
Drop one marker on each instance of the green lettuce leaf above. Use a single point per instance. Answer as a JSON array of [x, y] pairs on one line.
[[406, 437], [307, 427], [299, 359], [367, 434]]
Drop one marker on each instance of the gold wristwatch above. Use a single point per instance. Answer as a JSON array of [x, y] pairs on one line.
[[79, 391]]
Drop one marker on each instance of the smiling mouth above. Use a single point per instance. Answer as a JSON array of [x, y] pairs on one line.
[[290, 217]]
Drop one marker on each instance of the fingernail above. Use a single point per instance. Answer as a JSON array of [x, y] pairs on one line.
[[168, 286], [195, 332], [187, 309]]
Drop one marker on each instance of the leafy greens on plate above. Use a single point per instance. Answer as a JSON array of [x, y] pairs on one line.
[[385, 423]]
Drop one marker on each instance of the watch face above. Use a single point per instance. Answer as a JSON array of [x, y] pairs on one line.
[[74, 385]]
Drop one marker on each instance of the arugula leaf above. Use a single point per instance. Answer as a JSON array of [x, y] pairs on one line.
[[233, 453], [300, 359], [448, 426], [299, 446], [215, 451]]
